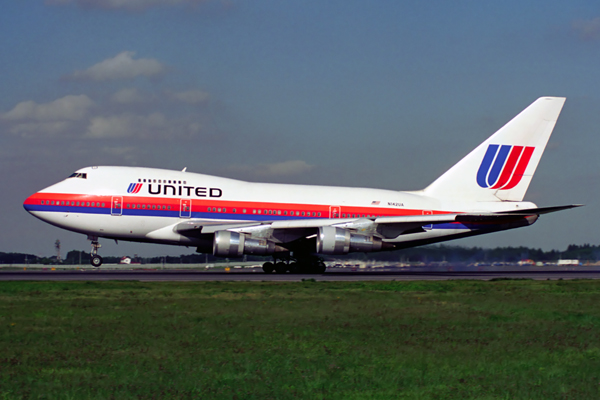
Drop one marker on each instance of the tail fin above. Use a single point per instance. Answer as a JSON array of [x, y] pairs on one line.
[[501, 168]]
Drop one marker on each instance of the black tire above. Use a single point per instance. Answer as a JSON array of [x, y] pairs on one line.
[[281, 268], [96, 261], [294, 268], [268, 267]]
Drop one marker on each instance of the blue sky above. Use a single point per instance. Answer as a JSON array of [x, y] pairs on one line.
[[385, 95]]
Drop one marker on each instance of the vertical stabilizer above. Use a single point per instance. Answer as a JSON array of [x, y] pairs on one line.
[[501, 168]]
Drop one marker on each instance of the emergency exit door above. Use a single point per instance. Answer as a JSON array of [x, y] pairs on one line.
[[185, 208], [116, 205]]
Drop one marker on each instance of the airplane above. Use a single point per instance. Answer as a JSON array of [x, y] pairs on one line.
[[298, 224]]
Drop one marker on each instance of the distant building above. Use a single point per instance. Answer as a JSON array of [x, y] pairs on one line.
[[568, 262]]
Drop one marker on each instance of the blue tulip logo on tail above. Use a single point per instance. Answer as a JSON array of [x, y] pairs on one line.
[[503, 166], [134, 188]]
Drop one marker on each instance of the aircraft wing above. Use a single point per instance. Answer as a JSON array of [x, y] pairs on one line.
[[385, 227]]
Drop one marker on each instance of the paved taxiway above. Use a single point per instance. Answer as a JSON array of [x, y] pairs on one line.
[[149, 276]]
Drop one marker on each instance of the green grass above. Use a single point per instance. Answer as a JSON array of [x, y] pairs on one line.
[[316, 340]]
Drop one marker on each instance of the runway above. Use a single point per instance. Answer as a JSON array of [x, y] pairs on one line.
[[259, 276]]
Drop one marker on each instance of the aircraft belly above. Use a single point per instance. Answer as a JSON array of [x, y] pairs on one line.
[[106, 225]]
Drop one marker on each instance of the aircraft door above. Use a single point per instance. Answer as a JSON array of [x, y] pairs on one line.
[[116, 205], [185, 208], [335, 212], [430, 226]]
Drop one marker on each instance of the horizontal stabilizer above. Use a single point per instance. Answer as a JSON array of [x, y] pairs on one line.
[[541, 210]]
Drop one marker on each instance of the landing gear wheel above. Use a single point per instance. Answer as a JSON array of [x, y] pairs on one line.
[[268, 267], [320, 268], [281, 268], [293, 268], [96, 260]]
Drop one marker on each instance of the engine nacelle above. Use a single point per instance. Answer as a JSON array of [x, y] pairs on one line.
[[235, 244], [332, 240]]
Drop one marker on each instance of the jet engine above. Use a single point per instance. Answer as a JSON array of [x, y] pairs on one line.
[[332, 240], [234, 244]]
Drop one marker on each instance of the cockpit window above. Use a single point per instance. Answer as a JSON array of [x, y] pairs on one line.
[[78, 175]]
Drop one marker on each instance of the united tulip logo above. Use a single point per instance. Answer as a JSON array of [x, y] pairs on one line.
[[503, 166], [134, 187]]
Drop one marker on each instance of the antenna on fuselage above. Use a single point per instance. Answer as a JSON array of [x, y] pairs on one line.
[[183, 170]]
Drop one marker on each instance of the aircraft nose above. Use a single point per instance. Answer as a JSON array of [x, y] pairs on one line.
[[31, 203]]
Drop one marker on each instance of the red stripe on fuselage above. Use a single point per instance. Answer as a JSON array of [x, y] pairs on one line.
[[202, 205]]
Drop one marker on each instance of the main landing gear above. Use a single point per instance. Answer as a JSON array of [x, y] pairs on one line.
[[95, 259], [306, 265]]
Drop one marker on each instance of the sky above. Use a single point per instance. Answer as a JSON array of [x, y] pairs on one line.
[[385, 94]]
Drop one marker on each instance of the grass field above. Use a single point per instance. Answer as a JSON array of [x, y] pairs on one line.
[[507, 339]]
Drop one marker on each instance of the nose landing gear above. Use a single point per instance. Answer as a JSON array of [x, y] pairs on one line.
[[95, 259]]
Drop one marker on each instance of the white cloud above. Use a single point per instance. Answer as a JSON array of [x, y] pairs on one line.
[[286, 168], [130, 96], [122, 66], [128, 125], [72, 108], [587, 29], [127, 5], [128, 113], [36, 129], [190, 96]]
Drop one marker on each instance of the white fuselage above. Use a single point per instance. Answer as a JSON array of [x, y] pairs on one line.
[[145, 204]]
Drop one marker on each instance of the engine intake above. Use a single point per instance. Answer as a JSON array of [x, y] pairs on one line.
[[234, 244], [332, 241]]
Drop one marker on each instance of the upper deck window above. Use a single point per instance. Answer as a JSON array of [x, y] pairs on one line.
[[78, 175]]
